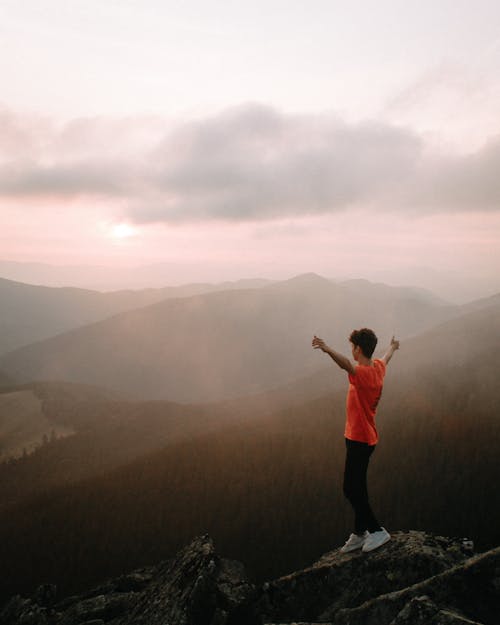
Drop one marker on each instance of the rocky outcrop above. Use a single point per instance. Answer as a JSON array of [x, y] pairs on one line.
[[415, 579], [197, 587], [338, 581], [468, 592]]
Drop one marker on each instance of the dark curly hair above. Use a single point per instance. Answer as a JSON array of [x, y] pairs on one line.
[[366, 340]]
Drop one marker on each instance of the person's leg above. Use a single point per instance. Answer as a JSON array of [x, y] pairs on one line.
[[355, 486]]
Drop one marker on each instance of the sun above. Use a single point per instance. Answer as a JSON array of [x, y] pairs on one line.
[[122, 231]]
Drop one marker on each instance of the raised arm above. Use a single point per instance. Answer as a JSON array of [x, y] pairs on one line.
[[392, 348], [339, 359]]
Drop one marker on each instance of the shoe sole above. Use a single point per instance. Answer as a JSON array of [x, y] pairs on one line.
[[342, 550]]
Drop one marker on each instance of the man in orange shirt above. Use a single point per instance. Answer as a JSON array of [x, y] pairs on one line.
[[366, 380]]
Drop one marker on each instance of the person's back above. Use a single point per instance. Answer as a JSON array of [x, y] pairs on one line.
[[366, 380], [365, 390]]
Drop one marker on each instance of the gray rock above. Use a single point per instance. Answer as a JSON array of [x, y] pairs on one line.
[[102, 607], [21, 611], [423, 611], [467, 589], [341, 580], [197, 588], [45, 595]]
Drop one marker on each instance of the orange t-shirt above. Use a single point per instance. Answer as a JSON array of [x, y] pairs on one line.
[[365, 389]]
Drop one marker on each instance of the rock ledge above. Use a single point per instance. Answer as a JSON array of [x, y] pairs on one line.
[[415, 579]]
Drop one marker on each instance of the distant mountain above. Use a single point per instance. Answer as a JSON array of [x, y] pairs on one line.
[[226, 344], [105, 278], [484, 302], [454, 342], [380, 291], [32, 313]]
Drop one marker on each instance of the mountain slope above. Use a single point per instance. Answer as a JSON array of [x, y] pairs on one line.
[[32, 313], [72, 432], [220, 345], [33, 414]]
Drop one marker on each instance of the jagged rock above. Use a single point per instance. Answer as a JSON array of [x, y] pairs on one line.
[[33, 611], [423, 611], [21, 611], [102, 607], [45, 595], [470, 589], [341, 580], [197, 588], [135, 581], [415, 579]]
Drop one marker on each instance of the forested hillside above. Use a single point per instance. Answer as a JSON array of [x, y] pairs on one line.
[[78, 431]]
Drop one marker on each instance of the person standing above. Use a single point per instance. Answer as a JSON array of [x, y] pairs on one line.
[[366, 380]]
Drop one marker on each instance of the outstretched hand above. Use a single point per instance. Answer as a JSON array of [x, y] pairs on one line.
[[339, 359], [394, 344], [318, 343]]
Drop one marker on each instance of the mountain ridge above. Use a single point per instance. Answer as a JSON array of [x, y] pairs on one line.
[[219, 345], [32, 313]]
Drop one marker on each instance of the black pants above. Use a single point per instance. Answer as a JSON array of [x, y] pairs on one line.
[[355, 488]]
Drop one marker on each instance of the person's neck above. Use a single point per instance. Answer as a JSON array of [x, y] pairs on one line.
[[363, 360]]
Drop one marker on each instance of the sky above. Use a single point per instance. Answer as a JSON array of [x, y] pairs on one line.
[[223, 140]]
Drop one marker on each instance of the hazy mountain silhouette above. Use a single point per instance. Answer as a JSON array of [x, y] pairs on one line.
[[379, 291], [32, 313], [455, 341], [224, 344]]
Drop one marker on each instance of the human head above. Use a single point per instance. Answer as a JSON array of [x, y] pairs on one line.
[[365, 339]]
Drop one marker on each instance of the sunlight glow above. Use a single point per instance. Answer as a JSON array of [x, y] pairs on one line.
[[122, 231]]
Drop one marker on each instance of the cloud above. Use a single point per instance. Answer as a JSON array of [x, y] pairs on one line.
[[254, 163], [25, 179], [466, 183], [452, 103], [247, 163]]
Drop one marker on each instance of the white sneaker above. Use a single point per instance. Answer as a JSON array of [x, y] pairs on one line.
[[376, 540], [355, 541]]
